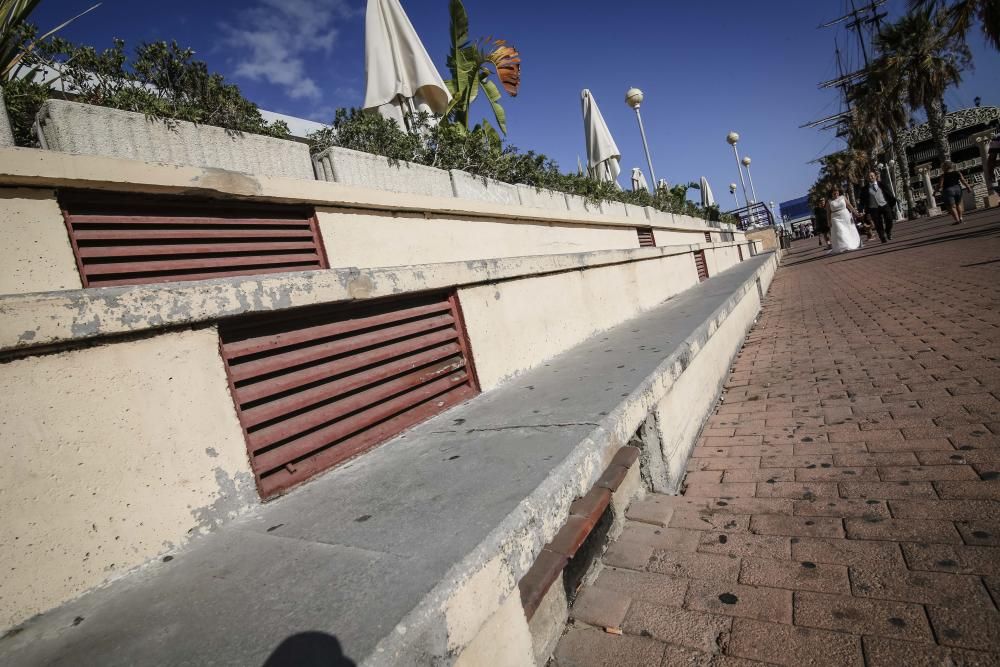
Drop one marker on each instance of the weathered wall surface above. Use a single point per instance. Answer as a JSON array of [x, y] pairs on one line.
[[373, 238], [37, 256], [514, 326], [111, 455], [682, 412]]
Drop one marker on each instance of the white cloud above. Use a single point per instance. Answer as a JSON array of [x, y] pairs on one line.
[[271, 40]]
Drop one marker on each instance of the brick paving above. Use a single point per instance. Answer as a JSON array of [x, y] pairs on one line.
[[842, 506]]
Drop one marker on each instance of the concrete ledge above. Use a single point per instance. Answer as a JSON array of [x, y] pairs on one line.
[[467, 186], [70, 127], [32, 320], [637, 213], [405, 555], [542, 198], [374, 171], [29, 167]]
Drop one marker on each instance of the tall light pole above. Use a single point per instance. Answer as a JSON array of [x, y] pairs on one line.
[[733, 138], [746, 163], [732, 191], [633, 98]]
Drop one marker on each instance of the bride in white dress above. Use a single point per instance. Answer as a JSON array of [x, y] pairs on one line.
[[843, 233]]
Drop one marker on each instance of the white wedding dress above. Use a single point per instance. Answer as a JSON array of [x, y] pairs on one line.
[[843, 234]]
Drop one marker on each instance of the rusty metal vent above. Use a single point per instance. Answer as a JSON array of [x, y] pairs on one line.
[[708, 237], [739, 251], [124, 240], [318, 386], [645, 235], [701, 265]]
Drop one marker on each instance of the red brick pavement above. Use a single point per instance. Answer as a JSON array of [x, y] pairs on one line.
[[843, 504]]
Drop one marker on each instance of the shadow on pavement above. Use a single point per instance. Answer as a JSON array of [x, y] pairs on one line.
[[309, 649]]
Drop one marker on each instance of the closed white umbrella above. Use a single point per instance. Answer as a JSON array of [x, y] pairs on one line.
[[602, 152], [639, 180], [400, 75], [707, 199]]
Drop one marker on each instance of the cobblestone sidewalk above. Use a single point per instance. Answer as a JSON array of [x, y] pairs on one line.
[[843, 504]]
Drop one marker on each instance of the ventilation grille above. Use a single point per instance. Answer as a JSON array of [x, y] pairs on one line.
[[164, 240], [739, 251], [315, 387], [708, 237], [645, 235], [699, 263]]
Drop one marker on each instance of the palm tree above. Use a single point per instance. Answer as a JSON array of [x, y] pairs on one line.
[[919, 52], [470, 62], [879, 114], [960, 14]]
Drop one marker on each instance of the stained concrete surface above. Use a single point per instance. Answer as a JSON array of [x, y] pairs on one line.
[[354, 552]]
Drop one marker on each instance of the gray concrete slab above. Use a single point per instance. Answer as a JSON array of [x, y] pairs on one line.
[[355, 552]]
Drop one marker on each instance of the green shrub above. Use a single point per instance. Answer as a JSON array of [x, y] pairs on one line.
[[162, 81], [483, 153]]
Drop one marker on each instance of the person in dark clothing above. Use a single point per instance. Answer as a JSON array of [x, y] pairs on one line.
[[879, 202], [950, 185], [822, 224]]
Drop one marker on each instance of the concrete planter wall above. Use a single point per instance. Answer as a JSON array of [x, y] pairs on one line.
[[6, 136], [613, 208], [639, 212], [70, 127], [467, 186], [365, 170], [541, 198], [581, 205]]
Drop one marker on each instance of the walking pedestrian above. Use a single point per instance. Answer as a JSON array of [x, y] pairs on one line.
[[992, 157], [844, 234], [951, 185], [879, 202], [822, 223]]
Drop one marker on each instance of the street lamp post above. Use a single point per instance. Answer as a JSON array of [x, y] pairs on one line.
[[633, 98], [753, 190], [732, 191], [733, 138]]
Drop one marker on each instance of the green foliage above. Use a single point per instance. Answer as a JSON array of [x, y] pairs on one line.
[[469, 64], [162, 81], [483, 153]]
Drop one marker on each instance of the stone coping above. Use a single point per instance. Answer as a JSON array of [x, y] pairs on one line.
[[47, 318], [29, 167], [405, 552]]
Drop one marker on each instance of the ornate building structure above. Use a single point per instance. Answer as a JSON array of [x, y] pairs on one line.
[[969, 133]]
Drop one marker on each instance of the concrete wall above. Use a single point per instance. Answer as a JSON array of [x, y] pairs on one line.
[[681, 414], [70, 127], [111, 455], [515, 325], [37, 256], [373, 238]]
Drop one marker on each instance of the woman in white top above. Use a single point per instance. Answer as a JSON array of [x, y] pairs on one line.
[[844, 235]]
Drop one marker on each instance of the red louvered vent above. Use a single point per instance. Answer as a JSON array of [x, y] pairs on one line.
[[739, 251], [646, 239], [708, 237], [126, 240], [701, 265], [318, 386]]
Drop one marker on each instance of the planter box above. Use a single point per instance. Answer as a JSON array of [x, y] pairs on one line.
[[71, 127], [6, 136], [467, 186], [615, 208], [365, 170], [547, 199], [581, 205], [633, 211]]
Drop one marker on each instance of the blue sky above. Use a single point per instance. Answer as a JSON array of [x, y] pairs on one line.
[[706, 68]]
